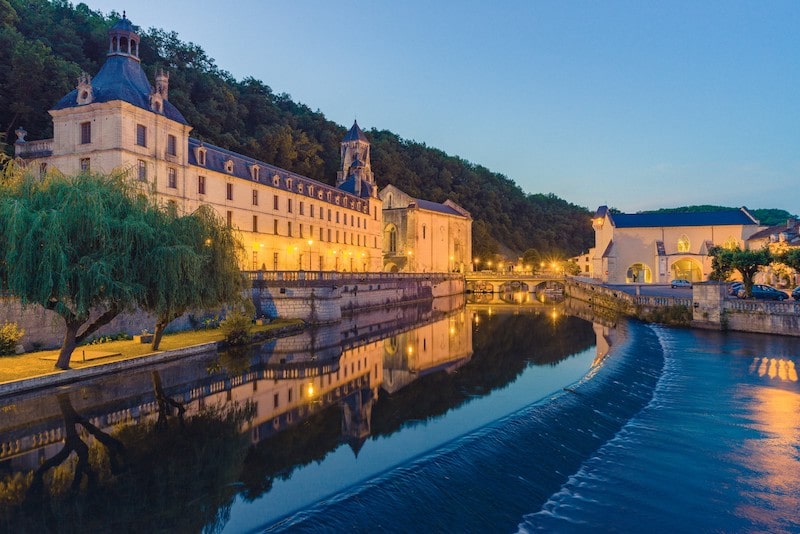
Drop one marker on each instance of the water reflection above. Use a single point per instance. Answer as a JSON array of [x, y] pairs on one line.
[[236, 421]]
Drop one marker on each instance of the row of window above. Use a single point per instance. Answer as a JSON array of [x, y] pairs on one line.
[[333, 236], [354, 368], [141, 137]]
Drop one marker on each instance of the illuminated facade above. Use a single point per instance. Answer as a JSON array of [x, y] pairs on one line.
[[118, 121], [424, 236], [658, 247]]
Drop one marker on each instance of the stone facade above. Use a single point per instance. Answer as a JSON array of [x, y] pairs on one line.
[[424, 236], [118, 122]]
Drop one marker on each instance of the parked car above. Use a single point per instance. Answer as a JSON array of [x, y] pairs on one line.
[[680, 282], [796, 293], [764, 292], [734, 287]]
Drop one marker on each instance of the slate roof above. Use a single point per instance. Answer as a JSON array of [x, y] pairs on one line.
[[216, 157], [355, 134], [435, 206], [711, 218], [121, 78]]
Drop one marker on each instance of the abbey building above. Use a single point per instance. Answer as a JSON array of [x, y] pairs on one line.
[[118, 121]]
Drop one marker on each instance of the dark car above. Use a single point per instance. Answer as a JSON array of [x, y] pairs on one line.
[[764, 292], [796, 293]]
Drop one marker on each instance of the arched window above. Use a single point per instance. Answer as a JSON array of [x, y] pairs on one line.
[[683, 243], [687, 269], [731, 243], [639, 273], [390, 239]]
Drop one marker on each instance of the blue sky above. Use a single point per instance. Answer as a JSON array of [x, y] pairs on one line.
[[637, 105]]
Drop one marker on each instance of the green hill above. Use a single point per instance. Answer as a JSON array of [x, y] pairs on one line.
[[44, 46]]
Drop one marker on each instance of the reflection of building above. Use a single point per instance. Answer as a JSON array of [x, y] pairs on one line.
[[442, 345], [424, 236], [287, 222], [657, 247]]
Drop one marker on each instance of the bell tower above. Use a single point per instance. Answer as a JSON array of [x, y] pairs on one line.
[[355, 159]]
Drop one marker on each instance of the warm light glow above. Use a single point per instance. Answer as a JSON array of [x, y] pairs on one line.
[[310, 242], [410, 350], [310, 390]]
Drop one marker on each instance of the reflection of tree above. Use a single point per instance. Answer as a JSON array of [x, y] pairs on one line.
[[178, 478], [74, 443], [503, 346], [165, 403]]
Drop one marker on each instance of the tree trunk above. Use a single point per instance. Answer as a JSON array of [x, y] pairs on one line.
[[158, 333], [68, 345]]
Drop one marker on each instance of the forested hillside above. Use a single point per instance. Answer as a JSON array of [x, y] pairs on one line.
[[44, 46]]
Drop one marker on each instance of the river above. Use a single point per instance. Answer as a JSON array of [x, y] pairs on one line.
[[441, 418]]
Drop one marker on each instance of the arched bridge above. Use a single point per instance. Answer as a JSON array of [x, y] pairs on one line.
[[500, 282]]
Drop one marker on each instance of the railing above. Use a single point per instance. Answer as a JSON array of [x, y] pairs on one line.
[[334, 276], [481, 275], [641, 300], [30, 149], [762, 306]]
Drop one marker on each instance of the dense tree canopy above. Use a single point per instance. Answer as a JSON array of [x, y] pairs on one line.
[[44, 45], [747, 262]]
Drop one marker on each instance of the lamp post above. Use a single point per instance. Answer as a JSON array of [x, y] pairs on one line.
[[475, 262]]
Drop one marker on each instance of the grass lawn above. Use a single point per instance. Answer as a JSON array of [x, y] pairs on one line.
[[31, 364]]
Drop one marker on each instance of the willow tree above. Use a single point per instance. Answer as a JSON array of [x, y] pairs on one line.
[[76, 245], [198, 258]]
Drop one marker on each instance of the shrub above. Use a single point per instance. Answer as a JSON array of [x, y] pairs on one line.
[[10, 334], [238, 323]]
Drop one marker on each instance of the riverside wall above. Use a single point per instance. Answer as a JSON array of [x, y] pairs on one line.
[[710, 307], [317, 298]]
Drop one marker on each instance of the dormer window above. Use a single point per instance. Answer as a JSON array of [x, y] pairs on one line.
[[299, 188], [229, 166], [200, 155], [255, 172], [276, 180], [289, 183]]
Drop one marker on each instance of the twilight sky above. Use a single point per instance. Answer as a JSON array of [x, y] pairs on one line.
[[638, 105]]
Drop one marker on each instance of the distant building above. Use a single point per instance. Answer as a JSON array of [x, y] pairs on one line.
[[424, 236], [657, 247], [778, 239], [117, 120]]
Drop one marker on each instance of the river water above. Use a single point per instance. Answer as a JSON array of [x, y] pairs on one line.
[[485, 418]]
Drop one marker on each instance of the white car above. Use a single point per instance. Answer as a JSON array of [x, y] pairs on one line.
[[680, 282]]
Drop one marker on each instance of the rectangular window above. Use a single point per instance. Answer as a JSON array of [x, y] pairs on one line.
[[275, 401], [86, 133], [302, 210], [289, 206], [275, 202], [201, 185], [255, 223], [329, 235], [329, 215], [229, 191], [337, 236], [172, 145], [172, 178], [275, 261], [289, 228], [312, 210], [275, 226], [142, 170], [85, 165], [337, 217], [255, 260], [301, 230], [320, 235], [255, 197], [229, 219], [141, 135], [42, 169]]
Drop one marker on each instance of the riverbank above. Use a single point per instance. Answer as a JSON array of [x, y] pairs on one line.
[[35, 370]]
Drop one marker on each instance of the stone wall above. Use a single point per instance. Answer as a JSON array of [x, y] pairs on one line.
[[715, 310]]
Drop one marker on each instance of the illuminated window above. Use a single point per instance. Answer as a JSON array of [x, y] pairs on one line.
[[731, 243]]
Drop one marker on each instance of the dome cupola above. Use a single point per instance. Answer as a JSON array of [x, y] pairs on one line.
[[123, 39]]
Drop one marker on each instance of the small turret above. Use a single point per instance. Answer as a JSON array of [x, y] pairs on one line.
[[123, 39]]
